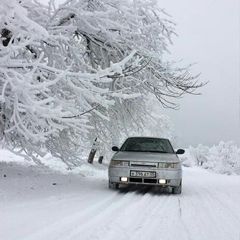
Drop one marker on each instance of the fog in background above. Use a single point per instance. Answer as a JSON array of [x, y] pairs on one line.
[[208, 35]]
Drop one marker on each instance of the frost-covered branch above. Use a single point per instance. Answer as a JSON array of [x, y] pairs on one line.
[[81, 70]]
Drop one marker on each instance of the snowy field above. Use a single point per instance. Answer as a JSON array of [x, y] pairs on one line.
[[44, 204]]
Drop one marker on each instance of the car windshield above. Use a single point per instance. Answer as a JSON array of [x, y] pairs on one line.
[[147, 145]]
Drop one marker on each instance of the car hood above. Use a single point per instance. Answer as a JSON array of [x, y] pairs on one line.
[[145, 156]]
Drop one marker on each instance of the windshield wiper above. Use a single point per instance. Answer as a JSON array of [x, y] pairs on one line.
[[146, 151], [157, 151]]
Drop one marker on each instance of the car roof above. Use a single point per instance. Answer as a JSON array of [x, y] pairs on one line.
[[147, 137]]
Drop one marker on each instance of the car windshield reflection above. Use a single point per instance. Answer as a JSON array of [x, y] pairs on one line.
[[155, 145]]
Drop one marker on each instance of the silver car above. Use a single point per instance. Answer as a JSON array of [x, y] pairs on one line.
[[146, 161]]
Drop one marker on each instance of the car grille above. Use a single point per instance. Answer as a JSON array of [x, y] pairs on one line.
[[142, 180], [143, 164]]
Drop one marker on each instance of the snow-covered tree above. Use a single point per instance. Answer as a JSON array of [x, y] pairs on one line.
[[199, 154], [82, 70], [223, 158]]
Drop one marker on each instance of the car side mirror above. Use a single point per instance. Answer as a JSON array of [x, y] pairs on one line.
[[115, 149], [180, 151]]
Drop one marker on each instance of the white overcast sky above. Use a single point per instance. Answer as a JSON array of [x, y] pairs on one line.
[[209, 36]]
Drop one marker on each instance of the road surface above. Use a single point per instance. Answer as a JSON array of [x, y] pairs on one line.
[[41, 205]]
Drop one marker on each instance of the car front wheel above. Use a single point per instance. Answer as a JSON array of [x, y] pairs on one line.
[[177, 190], [113, 185]]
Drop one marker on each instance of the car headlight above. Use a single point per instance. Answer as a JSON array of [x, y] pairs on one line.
[[119, 163], [169, 165]]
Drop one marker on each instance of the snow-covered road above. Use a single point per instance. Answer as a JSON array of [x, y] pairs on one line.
[[40, 205]]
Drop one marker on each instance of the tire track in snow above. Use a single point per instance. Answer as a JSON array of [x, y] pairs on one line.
[[154, 217], [225, 220], [164, 221], [225, 205], [210, 222], [82, 221], [68, 223], [108, 224], [149, 218], [132, 219], [183, 222]]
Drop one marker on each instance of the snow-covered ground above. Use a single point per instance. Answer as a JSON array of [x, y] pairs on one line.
[[39, 203]]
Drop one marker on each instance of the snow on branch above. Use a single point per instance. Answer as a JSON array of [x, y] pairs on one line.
[[67, 70], [43, 94]]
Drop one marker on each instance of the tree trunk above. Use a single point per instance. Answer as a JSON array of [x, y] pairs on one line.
[[100, 159], [91, 155], [92, 152]]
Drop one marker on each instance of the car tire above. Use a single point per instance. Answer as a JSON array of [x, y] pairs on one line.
[[113, 185], [177, 190]]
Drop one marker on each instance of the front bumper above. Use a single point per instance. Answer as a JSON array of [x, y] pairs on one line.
[[173, 177]]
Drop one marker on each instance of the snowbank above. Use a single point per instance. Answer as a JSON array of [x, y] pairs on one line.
[[52, 164]]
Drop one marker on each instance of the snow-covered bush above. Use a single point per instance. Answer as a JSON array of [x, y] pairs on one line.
[[224, 158], [199, 154]]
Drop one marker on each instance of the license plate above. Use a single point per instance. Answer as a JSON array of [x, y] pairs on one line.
[[142, 174]]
